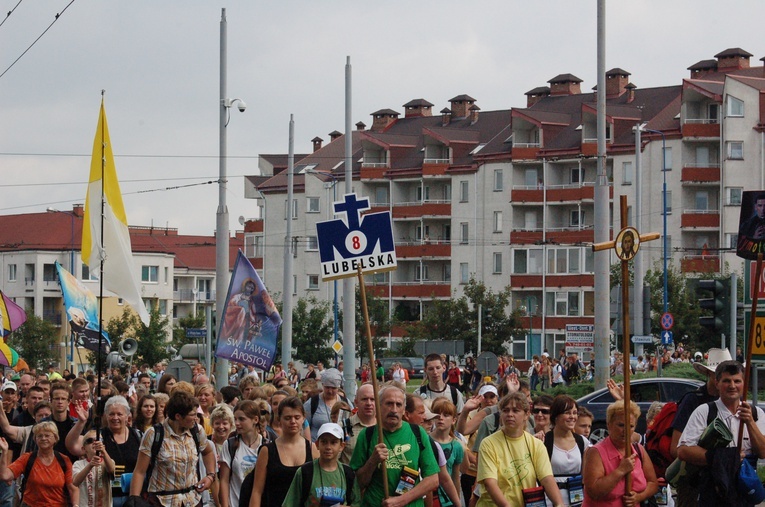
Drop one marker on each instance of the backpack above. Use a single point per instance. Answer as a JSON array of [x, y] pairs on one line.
[[415, 429], [455, 396], [315, 403], [156, 445], [233, 446], [550, 440], [306, 473], [28, 470]]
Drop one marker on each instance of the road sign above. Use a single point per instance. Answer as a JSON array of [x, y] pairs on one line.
[[487, 363], [580, 339], [667, 321], [337, 346], [666, 337], [758, 347], [642, 339], [354, 241], [196, 332]]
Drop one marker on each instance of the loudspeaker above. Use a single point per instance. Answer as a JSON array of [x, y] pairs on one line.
[[128, 347]]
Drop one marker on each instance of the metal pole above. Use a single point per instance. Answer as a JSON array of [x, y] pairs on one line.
[[349, 287], [480, 311], [221, 217], [637, 328], [734, 315], [287, 285], [601, 225], [208, 351]]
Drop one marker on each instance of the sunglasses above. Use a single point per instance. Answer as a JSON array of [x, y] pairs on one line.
[[89, 441], [545, 411]]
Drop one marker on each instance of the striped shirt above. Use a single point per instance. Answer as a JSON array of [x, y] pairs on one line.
[[175, 466]]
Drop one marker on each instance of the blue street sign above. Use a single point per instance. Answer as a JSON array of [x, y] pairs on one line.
[[355, 240], [196, 332], [666, 337], [667, 321]]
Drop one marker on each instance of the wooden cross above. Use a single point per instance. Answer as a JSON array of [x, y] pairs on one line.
[[626, 245]]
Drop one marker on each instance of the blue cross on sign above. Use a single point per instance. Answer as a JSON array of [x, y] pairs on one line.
[[355, 240], [666, 337], [667, 321]]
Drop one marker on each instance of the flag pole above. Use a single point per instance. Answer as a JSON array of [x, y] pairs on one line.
[[750, 340], [99, 366]]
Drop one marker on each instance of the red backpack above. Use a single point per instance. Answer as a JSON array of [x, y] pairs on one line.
[[658, 438]]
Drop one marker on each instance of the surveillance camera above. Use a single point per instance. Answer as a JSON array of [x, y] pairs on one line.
[[242, 106]]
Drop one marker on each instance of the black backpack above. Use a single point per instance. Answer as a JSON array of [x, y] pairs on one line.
[[455, 392], [550, 440], [156, 445], [28, 470], [369, 433], [306, 476]]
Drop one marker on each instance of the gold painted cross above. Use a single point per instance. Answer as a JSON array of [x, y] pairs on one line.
[[626, 245]]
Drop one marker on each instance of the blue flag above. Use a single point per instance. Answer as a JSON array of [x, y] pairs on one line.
[[81, 311], [250, 322]]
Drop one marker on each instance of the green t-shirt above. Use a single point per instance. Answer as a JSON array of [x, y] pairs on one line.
[[454, 454], [403, 450], [323, 484]]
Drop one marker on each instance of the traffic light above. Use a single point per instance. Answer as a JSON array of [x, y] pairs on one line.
[[740, 321], [714, 300]]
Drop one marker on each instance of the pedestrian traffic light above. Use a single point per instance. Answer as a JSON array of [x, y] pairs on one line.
[[714, 300]]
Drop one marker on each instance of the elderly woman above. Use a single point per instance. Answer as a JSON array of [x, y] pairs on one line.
[[511, 460], [121, 442], [48, 482], [606, 466]]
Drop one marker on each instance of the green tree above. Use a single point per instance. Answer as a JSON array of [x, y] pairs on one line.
[[312, 330], [445, 319], [35, 342], [498, 326], [380, 324], [189, 322], [118, 328], [152, 339]]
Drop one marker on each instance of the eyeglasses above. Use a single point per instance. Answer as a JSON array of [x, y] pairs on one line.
[[89, 441], [545, 411]]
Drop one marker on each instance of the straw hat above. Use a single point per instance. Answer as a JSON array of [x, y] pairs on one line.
[[714, 358]]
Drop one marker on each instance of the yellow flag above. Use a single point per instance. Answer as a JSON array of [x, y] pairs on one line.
[[113, 247]]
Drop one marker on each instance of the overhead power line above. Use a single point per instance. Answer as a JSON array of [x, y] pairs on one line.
[[10, 12]]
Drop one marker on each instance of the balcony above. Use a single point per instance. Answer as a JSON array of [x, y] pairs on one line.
[[569, 235], [408, 250], [700, 264], [415, 290], [559, 322], [435, 166], [520, 236], [52, 317], [430, 208], [191, 295], [524, 151], [527, 194], [590, 147], [373, 171], [700, 219], [702, 127], [701, 174], [567, 193]]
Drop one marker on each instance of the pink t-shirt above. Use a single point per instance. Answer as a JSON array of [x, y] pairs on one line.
[[611, 457]]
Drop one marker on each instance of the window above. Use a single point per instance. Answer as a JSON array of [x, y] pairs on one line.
[[11, 272], [563, 260], [669, 202], [422, 194], [574, 176], [735, 150], [294, 209], [421, 272], [253, 246], [87, 274], [163, 307], [497, 221], [562, 304], [464, 191], [497, 180], [313, 244], [312, 205], [313, 282], [381, 277], [733, 196], [577, 218], [418, 233], [464, 273], [497, 264], [49, 273], [464, 233], [381, 195], [294, 247], [167, 275], [446, 272], [527, 261], [731, 240], [735, 106], [668, 158], [626, 173], [150, 274], [294, 285], [702, 200], [714, 112]]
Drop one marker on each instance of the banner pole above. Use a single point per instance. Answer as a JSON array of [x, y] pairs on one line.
[[370, 346], [750, 340]]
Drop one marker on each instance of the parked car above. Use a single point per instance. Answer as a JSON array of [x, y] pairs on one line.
[[643, 392], [414, 365]]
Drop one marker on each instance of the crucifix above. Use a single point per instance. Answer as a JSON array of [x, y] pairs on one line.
[[626, 246]]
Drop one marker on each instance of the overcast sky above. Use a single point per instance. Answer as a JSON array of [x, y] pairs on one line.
[[158, 61]]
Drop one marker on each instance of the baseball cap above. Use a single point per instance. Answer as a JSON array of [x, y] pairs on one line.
[[333, 429], [331, 378], [488, 389], [428, 414], [10, 386]]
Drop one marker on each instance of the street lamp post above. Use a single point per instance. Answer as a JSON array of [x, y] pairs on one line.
[[70, 353], [664, 237], [333, 185]]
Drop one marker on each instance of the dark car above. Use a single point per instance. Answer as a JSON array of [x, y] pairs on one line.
[[643, 392], [414, 365]]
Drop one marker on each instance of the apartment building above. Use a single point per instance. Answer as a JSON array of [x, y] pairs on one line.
[[507, 196]]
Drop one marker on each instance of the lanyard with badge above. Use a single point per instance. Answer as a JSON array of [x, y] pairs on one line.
[[532, 497]]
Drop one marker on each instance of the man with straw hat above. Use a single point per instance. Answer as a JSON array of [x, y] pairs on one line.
[[687, 494]]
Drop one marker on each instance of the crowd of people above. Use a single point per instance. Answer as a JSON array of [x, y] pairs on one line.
[[155, 441]]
